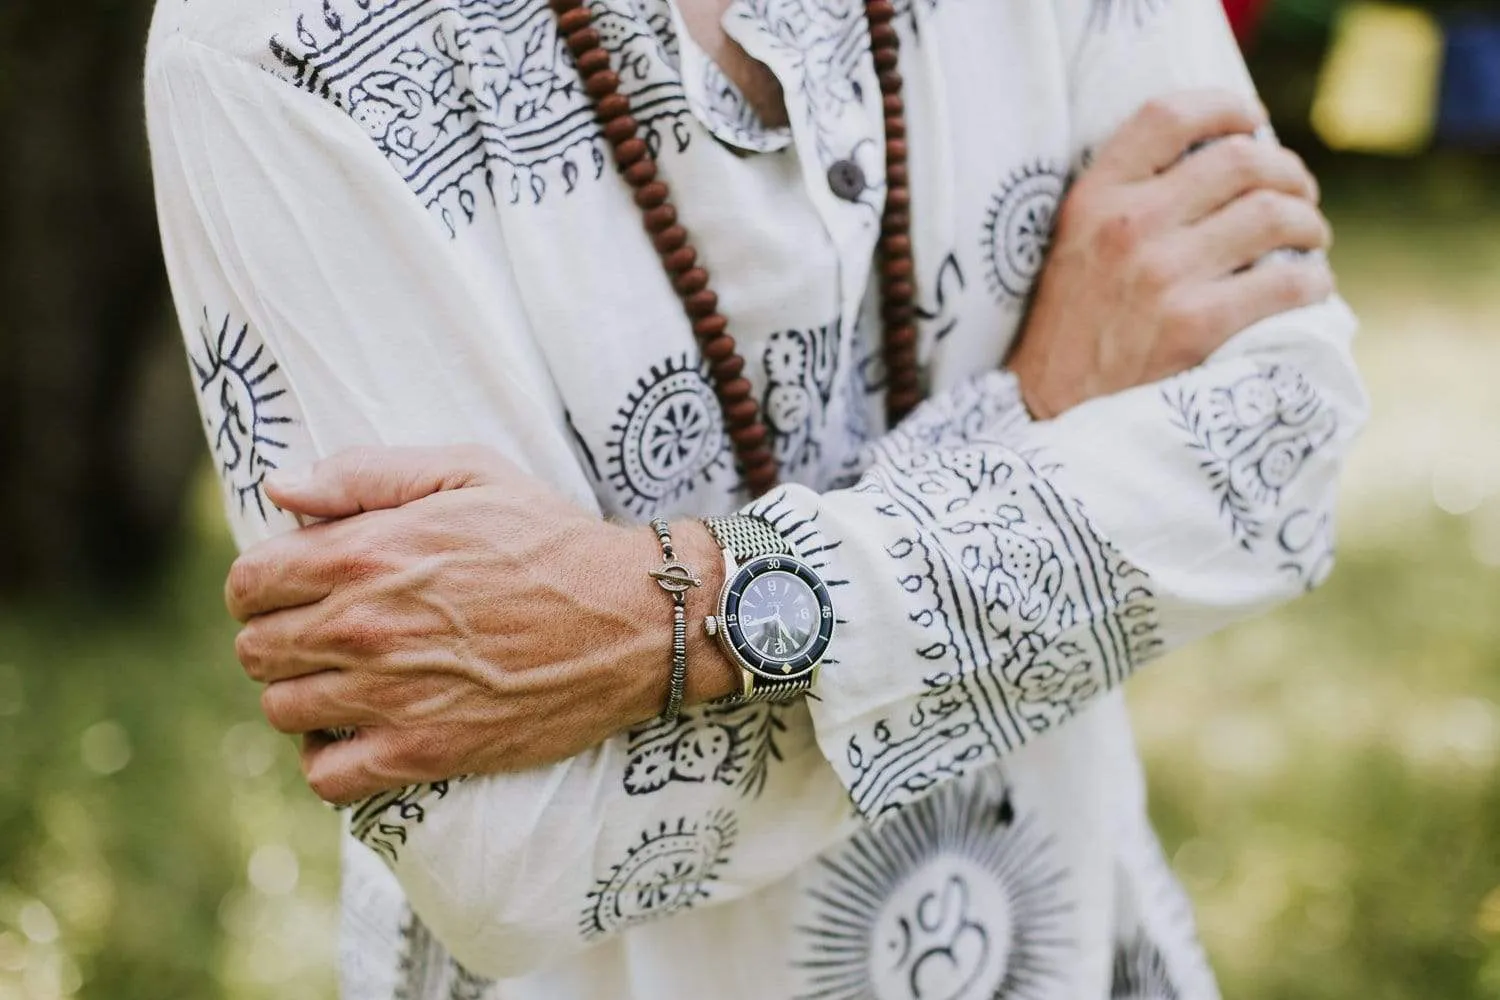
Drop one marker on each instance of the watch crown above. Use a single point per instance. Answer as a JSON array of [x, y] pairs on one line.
[[711, 625]]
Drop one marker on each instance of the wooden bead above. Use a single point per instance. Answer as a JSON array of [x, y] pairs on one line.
[[750, 436], [896, 245], [900, 360], [892, 105], [890, 85], [734, 390], [895, 222], [898, 198], [903, 377], [701, 304], [901, 402], [729, 368], [759, 471], [572, 15], [761, 482], [690, 281], [885, 60], [741, 412], [651, 195], [660, 218], [718, 348], [603, 84], [593, 61], [679, 260], [896, 174], [756, 458], [899, 267], [612, 106], [710, 327], [641, 172], [879, 11], [895, 151], [630, 151], [669, 239], [622, 128], [895, 128], [897, 313], [898, 290], [582, 40], [883, 35], [899, 338]]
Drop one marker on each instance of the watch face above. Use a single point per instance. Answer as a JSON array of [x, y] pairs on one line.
[[777, 616]]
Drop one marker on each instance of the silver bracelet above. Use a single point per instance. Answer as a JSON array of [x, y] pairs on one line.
[[675, 579]]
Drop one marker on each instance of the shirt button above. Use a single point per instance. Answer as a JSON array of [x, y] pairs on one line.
[[847, 180]]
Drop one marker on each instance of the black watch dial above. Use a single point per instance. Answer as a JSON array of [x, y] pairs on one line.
[[777, 616]]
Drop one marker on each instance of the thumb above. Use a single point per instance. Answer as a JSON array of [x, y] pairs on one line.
[[362, 479]]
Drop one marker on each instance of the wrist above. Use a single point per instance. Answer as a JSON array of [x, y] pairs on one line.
[[644, 666], [711, 674], [1030, 374]]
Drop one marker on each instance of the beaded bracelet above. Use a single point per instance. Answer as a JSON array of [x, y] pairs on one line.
[[675, 579]]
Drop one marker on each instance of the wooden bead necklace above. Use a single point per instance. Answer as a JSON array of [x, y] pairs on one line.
[[747, 431]]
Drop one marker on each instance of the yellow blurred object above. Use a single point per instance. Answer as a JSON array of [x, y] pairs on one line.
[[1487, 920], [1378, 92]]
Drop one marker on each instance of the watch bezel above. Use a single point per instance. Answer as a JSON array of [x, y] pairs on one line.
[[733, 636]]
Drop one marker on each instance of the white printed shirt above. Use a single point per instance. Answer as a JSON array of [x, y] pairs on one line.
[[397, 222]]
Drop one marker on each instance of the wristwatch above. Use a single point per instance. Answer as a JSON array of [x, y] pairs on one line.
[[775, 618]]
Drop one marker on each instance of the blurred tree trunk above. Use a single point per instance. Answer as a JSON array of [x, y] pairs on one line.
[[97, 431]]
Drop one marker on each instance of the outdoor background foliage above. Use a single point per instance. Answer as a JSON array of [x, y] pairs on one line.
[[1327, 778]]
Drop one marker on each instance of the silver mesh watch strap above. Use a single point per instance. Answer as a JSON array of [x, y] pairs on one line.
[[764, 690], [747, 537]]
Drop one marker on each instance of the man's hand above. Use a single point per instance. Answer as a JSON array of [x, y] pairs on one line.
[[1151, 270], [460, 617]]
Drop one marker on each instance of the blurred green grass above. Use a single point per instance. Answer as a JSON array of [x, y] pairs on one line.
[[1325, 778]]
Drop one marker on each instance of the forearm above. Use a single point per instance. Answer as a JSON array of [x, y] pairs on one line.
[[1005, 573]]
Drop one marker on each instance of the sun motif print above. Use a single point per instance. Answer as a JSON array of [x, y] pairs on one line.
[[242, 395]]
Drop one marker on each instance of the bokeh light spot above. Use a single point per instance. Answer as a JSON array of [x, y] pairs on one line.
[[37, 922], [105, 747], [274, 870]]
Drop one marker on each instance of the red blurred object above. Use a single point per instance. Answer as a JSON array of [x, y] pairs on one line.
[[1244, 15]]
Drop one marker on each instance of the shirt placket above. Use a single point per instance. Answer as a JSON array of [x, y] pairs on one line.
[[820, 55]]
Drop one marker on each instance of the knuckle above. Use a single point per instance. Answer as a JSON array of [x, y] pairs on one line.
[[273, 705], [1186, 327], [413, 758], [1156, 273], [361, 557], [1297, 285], [240, 584], [1164, 113], [1272, 212], [249, 650], [326, 783], [1245, 159], [360, 630]]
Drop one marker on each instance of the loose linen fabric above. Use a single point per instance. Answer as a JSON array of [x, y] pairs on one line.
[[395, 222]]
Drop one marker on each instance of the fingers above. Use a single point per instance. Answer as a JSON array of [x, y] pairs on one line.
[[346, 771], [362, 479], [1252, 226], [1213, 177], [1157, 135], [290, 570], [1225, 307], [293, 643], [316, 702]]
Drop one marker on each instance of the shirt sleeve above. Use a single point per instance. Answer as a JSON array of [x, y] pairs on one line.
[[309, 285], [999, 575]]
